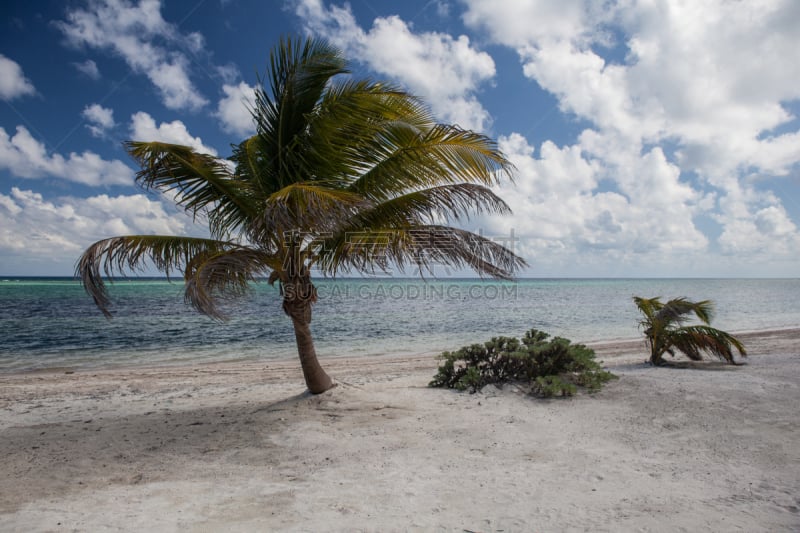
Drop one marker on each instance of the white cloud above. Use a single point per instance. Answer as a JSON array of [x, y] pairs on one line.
[[26, 157], [555, 198], [89, 68], [136, 33], [233, 110], [229, 73], [520, 23], [44, 235], [683, 113], [101, 119], [144, 128], [13, 82], [756, 223], [712, 76], [446, 71]]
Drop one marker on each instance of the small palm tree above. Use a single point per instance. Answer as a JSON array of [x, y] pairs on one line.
[[663, 325], [341, 175]]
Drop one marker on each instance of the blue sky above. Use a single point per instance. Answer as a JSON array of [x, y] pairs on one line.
[[650, 138]]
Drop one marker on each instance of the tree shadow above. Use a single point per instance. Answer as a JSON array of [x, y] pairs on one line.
[[701, 365], [55, 459]]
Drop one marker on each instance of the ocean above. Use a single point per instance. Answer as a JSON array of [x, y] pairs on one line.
[[53, 323]]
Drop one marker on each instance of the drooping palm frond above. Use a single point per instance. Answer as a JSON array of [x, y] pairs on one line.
[[118, 255], [693, 340], [216, 274], [425, 247], [199, 182], [437, 246]]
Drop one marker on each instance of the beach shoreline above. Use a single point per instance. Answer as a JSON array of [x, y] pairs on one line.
[[240, 446]]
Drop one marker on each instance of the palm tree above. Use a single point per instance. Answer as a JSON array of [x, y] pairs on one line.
[[342, 175], [663, 325]]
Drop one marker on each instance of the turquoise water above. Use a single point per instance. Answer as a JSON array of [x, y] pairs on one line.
[[53, 323]]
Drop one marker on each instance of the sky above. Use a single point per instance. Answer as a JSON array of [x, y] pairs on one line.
[[651, 138]]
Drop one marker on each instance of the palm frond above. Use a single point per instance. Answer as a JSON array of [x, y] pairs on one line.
[[424, 247], [300, 72], [404, 159], [222, 274], [305, 207], [679, 311], [428, 206], [118, 255], [365, 102], [648, 306], [254, 166], [200, 182], [693, 340], [344, 136]]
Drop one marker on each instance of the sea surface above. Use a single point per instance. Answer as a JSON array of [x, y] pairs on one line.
[[53, 323]]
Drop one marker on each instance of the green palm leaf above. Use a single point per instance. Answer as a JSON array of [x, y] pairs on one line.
[[428, 206], [300, 72], [306, 207], [215, 274], [118, 255], [693, 340], [424, 246], [200, 183], [679, 310], [444, 154]]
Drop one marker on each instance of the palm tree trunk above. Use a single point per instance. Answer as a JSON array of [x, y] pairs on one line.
[[299, 294], [656, 353], [317, 380]]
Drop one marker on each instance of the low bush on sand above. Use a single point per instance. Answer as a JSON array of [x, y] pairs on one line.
[[545, 366]]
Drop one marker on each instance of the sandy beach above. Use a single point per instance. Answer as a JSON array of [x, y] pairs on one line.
[[240, 447]]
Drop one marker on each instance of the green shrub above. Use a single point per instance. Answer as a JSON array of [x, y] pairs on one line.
[[548, 368]]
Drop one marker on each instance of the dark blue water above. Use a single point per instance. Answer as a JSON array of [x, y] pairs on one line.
[[53, 323]]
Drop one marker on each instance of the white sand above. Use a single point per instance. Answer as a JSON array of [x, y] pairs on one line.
[[236, 447]]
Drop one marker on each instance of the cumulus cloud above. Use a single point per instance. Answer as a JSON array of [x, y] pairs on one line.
[[686, 103], [35, 231], [711, 74], [101, 119], [26, 157], [143, 128], [556, 200], [448, 72], [89, 68], [13, 82], [233, 110], [755, 222], [148, 44]]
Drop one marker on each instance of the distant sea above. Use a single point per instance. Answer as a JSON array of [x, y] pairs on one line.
[[53, 323]]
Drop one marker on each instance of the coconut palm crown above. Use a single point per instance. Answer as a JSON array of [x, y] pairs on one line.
[[342, 175], [663, 324]]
